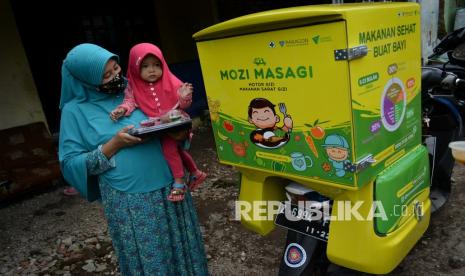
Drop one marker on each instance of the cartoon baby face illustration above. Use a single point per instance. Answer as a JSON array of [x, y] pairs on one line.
[[337, 149], [337, 153], [262, 113]]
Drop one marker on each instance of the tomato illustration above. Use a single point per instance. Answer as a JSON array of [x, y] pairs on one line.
[[317, 132], [239, 149], [297, 138], [228, 126]]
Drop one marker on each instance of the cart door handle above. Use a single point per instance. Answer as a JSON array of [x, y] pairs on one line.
[[351, 53], [364, 163]]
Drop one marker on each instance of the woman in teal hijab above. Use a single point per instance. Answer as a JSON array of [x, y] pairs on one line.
[[151, 235]]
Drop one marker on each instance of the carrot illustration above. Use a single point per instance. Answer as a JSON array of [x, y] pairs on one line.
[[311, 144]]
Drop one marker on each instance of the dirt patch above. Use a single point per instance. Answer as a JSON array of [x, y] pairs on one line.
[[58, 235]]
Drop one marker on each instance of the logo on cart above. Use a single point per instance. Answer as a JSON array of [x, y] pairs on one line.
[[259, 61], [316, 39], [407, 13], [272, 44], [294, 42], [295, 255]]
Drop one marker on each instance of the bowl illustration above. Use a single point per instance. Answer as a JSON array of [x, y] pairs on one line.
[[267, 139]]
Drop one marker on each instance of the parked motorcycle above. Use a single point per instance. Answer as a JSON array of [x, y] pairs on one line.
[[443, 108]]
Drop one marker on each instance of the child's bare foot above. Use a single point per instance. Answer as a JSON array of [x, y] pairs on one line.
[[117, 113]]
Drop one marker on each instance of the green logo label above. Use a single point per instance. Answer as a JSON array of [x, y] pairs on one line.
[[259, 61], [368, 79], [316, 39]]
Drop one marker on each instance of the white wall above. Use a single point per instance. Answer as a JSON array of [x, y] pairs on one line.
[[429, 27], [19, 101]]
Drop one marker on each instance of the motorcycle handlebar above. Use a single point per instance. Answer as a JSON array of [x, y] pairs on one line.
[[435, 77], [451, 82], [460, 83], [431, 76]]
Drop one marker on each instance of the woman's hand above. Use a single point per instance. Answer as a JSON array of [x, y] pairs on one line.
[[121, 140]]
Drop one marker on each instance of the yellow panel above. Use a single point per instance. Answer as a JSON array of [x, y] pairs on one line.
[[354, 244]]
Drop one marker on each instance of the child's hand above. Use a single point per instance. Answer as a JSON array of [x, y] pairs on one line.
[[185, 91], [117, 113], [165, 118]]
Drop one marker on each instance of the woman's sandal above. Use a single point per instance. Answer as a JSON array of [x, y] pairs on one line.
[[196, 179], [177, 192]]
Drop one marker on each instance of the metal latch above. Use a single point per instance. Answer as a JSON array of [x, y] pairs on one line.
[[364, 163], [351, 53]]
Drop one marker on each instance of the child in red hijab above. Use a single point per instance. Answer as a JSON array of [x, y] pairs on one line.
[[156, 91]]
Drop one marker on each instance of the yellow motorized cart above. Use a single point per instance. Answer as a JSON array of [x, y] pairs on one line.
[[327, 96]]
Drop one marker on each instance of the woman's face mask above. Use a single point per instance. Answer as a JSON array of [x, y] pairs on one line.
[[114, 86]]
